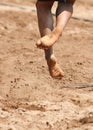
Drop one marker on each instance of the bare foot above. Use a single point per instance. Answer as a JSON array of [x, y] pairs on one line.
[[54, 68], [48, 40]]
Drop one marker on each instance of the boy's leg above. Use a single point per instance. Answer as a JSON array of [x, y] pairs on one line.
[[63, 14], [45, 22]]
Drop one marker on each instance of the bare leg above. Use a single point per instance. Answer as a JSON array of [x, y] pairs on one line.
[[63, 14], [45, 22]]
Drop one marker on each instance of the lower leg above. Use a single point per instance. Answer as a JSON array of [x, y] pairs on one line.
[[45, 23], [63, 14]]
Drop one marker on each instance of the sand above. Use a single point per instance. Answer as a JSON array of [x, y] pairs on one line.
[[29, 98]]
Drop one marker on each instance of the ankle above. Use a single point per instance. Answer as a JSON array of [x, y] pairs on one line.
[[57, 31]]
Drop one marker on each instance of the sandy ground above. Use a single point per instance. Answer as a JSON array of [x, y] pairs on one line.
[[29, 98]]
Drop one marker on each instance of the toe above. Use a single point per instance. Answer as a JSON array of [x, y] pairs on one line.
[[38, 43]]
